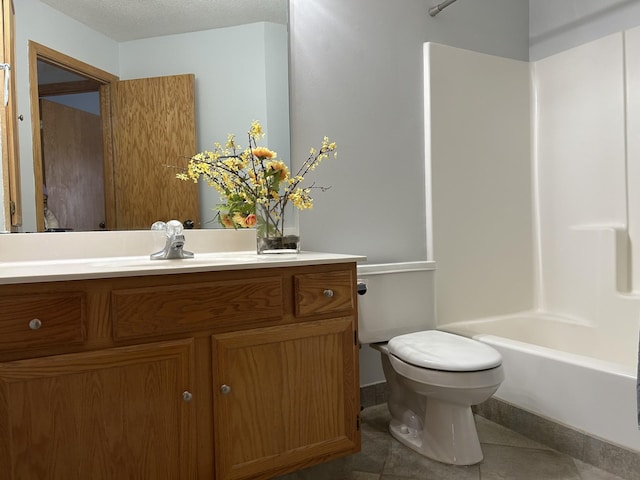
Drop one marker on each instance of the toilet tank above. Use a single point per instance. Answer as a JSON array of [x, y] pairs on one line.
[[399, 299]]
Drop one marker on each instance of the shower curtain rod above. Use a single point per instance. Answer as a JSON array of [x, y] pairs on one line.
[[433, 11]]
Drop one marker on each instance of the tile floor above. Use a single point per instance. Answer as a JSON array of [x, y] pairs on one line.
[[507, 456]]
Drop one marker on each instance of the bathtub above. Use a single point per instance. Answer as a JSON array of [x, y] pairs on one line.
[[565, 371]]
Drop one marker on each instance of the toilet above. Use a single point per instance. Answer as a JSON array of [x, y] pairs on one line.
[[434, 377]]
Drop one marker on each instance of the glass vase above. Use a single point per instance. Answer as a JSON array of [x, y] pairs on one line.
[[277, 228]]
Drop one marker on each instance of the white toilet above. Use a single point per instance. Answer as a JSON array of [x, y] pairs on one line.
[[434, 378]]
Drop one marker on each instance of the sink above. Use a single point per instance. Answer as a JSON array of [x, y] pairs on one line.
[[98, 267], [200, 259]]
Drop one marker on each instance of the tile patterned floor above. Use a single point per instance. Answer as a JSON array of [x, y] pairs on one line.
[[507, 456]]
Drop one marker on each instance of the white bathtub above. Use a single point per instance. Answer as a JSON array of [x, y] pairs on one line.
[[565, 371]]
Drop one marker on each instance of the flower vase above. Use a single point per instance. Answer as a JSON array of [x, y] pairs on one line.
[[277, 228]]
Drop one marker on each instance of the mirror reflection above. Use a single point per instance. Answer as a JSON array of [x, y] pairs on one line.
[[240, 74], [81, 150], [72, 162]]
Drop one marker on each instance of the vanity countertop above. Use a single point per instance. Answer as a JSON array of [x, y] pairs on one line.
[[132, 266], [50, 257]]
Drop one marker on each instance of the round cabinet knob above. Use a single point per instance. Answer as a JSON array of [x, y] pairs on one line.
[[187, 396], [328, 293], [35, 324], [225, 389]]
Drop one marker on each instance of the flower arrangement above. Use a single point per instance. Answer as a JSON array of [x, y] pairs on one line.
[[254, 185]]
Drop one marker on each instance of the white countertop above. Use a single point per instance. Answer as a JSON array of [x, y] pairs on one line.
[[47, 257], [91, 268]]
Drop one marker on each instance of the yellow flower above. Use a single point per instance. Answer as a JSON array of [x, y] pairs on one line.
[[301, 199], [225, 220], [256, 130], [263, 153], [278, 166], [253, 176], [231, 142], [238, 219]]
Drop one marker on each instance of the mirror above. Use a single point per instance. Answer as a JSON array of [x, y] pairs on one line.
[[241, 74]]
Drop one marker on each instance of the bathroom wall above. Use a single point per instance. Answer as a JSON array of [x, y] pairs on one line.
[[357, 76], [557, 26], [578, 255], [632, 88], [588, 162]]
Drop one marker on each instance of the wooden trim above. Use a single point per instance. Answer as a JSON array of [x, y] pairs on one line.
[[108, 158], [37, 141], [66, 62], [67, 88], [12, 129], [10, 152], [3, 125]]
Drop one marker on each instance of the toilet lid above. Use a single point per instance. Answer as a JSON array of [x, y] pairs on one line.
[[438, 350]]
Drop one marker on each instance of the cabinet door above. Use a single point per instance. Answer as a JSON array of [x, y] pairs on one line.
[[111, 414], [284, 398]]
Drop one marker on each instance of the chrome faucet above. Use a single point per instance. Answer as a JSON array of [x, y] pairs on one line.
[[174, 248]]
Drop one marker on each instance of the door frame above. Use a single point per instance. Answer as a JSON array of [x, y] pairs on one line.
[[10, 177], [102, 82]]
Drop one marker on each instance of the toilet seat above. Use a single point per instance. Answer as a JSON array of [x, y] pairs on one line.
[[437, 350]]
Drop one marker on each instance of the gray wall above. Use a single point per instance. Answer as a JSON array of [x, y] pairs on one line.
[[357, 76], [557, 25]]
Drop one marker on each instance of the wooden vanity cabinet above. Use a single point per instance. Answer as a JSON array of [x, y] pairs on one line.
[[108, 414], [283, 396], [243, 374], [289, 394]]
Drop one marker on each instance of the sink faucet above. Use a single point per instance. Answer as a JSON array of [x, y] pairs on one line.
[[174, 248]]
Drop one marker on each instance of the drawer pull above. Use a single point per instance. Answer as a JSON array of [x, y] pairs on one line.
[[328, 293], [225, 389], [187, 396], [35, 324]]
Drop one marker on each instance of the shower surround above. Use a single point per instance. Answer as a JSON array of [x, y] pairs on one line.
[[534, 171]]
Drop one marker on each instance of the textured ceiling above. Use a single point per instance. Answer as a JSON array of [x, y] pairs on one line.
[[125, 20]]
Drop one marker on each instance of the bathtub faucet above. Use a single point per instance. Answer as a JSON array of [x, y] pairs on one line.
[[174, 246]]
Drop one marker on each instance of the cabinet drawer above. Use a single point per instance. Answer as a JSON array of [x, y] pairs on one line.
[[158, 310], [28, 321], [328, 292]]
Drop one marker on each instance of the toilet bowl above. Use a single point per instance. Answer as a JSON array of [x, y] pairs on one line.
[[434, 378]]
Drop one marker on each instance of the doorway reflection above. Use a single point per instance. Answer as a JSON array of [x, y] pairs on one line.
[[72, 150]]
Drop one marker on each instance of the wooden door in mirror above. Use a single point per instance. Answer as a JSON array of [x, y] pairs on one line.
[[154, 133], [72, 148]]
